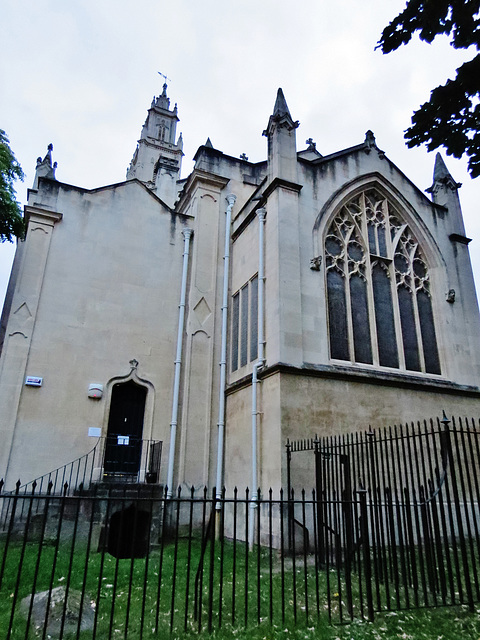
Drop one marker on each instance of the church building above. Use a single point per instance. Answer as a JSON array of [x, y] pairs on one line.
[[224, 313]]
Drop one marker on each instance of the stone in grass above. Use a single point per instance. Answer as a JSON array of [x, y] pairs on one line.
[[56, 611]]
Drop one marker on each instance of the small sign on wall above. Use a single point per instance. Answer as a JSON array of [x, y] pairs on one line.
[[94, 432], [33, 381], [125, 440]]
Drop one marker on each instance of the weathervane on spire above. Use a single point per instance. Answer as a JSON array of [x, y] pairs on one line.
[[164, 76]]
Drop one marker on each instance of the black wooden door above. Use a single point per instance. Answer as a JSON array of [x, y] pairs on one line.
[[125, 427]]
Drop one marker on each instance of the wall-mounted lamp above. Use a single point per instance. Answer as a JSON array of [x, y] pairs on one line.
[[95, 390]]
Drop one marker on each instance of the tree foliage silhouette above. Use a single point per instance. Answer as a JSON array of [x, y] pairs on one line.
[[452, 115], [11, 220]]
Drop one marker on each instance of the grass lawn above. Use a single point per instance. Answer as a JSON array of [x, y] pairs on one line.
[[455, 623], [147, 597]]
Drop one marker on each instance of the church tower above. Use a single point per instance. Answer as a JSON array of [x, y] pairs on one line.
[[157, 160]]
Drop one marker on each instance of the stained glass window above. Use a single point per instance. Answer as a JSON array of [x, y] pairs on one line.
[[378, 288]]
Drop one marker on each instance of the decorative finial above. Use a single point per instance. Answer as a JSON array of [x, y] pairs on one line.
[[311, 144], [280, 108], [281, 116], [442, 175], [243, 156], [45, 168], [370, 139], [133, 363]]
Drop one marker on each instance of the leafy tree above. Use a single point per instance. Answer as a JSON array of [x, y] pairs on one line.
[[11, 220], [452, 116]]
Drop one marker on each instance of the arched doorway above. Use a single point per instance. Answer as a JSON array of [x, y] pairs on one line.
[[125, 428]]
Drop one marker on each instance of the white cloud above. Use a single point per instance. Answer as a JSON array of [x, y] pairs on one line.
[[82, 75]]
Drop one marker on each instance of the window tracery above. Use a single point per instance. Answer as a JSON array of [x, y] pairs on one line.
[[378, 288]]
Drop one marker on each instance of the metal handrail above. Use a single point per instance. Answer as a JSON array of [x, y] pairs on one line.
[[82, 472]]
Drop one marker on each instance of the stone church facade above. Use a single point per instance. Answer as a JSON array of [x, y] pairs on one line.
[[226, 312]]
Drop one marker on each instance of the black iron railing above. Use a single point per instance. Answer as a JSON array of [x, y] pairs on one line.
[[397, 509], [111, 459], [131, 459], [393, 524]]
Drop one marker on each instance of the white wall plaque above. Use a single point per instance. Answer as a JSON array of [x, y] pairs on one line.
[[94, 432], [33, 381]]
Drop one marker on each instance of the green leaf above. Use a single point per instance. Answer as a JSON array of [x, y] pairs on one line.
[[451, 118], [11, 220]]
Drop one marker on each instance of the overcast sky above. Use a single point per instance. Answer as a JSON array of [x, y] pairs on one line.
[[82, 73]]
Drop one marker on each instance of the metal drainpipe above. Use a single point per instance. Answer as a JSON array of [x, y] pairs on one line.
[[223, 359], [257, 367], [187, 234]]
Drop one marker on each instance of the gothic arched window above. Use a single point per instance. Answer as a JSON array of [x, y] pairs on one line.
[[162, 130], [378, 289]]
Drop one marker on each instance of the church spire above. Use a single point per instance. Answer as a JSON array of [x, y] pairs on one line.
[[281, 108], [157, 160], [282, 147], [281, 115], [441, 173], [442, 177], [444, 191], [163, 101], [45, 168]]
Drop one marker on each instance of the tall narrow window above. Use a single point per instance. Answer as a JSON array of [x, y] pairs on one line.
[[254, 318], [235, 329], [244, 333], [244, 326], [379, 301]]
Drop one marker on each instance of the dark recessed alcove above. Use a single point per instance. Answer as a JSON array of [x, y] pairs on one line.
[[128, 533]]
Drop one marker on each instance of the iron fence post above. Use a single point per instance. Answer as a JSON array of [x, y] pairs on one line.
[[348, 524], [290, 507], [366, 551], [319, 492]]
